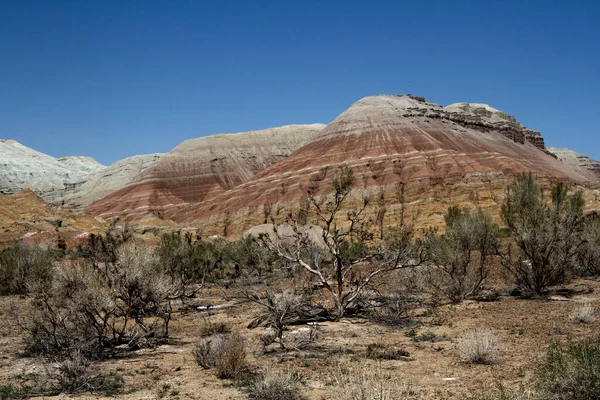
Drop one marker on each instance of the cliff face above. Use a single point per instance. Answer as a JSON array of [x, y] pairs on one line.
[[24, 168], [201, 169], [585, 165]]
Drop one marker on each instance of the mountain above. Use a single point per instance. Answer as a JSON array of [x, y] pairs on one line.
[[415, 157], [585, 165], [201, 169], [387, 139], [106, 181], [24, 168]]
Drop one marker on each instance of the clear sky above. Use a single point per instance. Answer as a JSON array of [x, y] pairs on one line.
[[110, 79]]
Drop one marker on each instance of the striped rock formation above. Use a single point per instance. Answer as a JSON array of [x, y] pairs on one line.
[[200, 169], [385, 139]]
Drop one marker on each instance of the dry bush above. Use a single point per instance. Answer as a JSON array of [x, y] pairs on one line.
[[367, 381], [226, 354], [501, 392], [478, 347], [344, 247], [586, 314], [73, 375], [209, 328], [379, 351], [279, 309], [276, 386], [97, 309]]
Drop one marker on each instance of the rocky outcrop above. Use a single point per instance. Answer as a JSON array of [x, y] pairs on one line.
[[200, 169], [483, 116], [24, 168], [583, 164]]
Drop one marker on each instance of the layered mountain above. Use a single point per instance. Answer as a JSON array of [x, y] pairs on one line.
[[201, 169], [106, 181], [583, 164], [387, 139], [24, 168]]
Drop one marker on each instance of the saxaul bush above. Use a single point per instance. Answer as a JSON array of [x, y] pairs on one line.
[[98, 308], [547, 237], [25, 266], [279, 309], [461, 257], [343, 260]]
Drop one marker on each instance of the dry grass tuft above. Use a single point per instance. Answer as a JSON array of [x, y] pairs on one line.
[[367, 381], [586, 314], [478, 347], [276, 386]]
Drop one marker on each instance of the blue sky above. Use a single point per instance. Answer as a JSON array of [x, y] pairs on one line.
[[110, 79]]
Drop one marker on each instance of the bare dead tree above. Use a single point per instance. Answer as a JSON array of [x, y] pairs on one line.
[[345, 264]]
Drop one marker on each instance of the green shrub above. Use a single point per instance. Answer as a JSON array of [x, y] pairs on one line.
[[462, 256], [571, 372], [548, 237], [24, 266]]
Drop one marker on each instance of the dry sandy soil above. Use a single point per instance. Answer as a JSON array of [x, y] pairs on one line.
[[434, 370]]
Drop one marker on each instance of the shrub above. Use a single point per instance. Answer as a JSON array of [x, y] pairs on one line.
[[571, 372], [394, 310], [276, 386], [586, 314], [209, 328], [94, 309], [548, 238], [72, 375], [478, 347], [379, 351], [589, 256], [75, 375], [461, 256], [24, 267], [346, 245], [189, 261], [278, 310], [226, 354]]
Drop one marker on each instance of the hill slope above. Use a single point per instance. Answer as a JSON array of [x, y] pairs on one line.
[[386, 139], [24, 168], [202, 168], [585, 165]]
